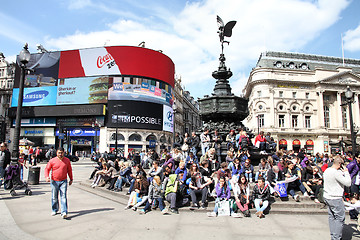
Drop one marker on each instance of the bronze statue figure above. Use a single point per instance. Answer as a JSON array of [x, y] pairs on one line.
[[224, 31]]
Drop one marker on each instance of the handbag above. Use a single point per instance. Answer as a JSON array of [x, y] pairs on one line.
[[223, 208], [185, 147]]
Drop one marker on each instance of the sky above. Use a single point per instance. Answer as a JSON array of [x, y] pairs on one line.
[[186, 31]]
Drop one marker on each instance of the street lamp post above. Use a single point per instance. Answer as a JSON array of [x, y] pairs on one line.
[[349, 97], [24, 58], [116, 131], [96, 125], [174, 107]]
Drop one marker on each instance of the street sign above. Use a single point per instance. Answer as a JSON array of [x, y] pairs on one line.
[[61, 135], [152, 143]]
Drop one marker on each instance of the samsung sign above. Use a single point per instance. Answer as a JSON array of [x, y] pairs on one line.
[[36, 96], [139, 115]]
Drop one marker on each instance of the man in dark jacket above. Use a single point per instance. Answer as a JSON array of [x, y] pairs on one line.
[[5, 159], [195, 142], [179, 141], [354, 168], [273, 176], [261, 194]]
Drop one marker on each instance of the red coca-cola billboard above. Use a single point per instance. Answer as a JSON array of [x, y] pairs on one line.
[[102, 61]]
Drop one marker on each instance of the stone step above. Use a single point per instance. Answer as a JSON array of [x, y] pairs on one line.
[[286, 206]]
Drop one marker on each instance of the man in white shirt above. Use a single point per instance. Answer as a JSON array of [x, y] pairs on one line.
[[335, 178]]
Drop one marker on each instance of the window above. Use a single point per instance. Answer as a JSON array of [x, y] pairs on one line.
[[307, 95], [307, 121], [281, 94], [294, 121], [326, 116], [261, 121], [135, 137], [281, 121], [344, 116], [294, 94]]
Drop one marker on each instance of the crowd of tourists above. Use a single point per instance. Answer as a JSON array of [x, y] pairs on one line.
[[194, 175]]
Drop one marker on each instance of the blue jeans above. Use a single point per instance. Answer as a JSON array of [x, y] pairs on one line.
[[120, 182], [336, 211], [193, 150], [132, 183], [56, 187], [249, 176], [161, 204], [265, 204]]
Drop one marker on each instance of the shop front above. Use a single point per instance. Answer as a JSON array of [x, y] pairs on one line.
[[283, 144], [309, 146], [296, 145]]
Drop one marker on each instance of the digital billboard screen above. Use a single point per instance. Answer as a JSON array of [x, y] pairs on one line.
[[139, 115]]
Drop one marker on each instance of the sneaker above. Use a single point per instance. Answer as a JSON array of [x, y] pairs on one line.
[[306, 194], [173, 210], [127, 207], [64, 215], [94, 185], [236, 215], [316, 200], [134, 208], [211, 214], [193, 207], [53, 213], [203, 207], [127, 193], [142, 211], [164, 211], [297, 198]]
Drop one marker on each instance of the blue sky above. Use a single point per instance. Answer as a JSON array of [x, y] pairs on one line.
[[186, 30]]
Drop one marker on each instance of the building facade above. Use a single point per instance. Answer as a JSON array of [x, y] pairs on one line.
[[300, 100], [191, 117], [98, 98], [6, 84]]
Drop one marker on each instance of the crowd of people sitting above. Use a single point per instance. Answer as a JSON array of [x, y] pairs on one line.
[[182, 179]]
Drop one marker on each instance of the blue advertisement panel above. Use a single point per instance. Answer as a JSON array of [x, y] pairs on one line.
[[38, 96], [81, 132], [86, 90]]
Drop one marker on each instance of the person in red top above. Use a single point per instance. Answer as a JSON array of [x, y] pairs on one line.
[[260, 142], [61, 168]]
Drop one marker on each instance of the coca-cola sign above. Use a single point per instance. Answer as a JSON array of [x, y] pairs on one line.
[[102, 60]]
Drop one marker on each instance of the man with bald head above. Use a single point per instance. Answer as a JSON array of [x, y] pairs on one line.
[[335, 178]]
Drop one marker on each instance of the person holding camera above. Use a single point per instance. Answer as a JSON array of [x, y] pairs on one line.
[[335, 178]]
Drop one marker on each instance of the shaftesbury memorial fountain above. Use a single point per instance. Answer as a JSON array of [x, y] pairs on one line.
[[223, 110]]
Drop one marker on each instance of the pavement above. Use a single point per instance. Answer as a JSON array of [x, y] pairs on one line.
[[95, 214]]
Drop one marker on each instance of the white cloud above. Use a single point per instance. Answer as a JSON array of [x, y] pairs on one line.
[[190, 37], [352, 40]]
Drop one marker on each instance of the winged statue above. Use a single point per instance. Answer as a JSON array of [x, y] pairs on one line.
[[225, 30]]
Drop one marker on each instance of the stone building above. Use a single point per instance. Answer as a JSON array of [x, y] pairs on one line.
[[299, 99], [6, 85]]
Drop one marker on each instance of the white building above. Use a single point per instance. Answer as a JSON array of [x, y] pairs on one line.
[[299, 99]]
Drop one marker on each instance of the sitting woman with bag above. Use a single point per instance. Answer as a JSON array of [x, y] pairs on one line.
[[242, 195], [140, 194], [155, 195], [222, 202]]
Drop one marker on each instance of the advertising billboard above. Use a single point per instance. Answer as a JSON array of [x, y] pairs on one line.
[[37, 96], [138, 115], [85, 90], [140, 89]]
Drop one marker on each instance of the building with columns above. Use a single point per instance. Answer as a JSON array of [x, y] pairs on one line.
[[299, 99]]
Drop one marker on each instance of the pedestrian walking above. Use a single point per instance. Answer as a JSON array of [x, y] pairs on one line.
[[335, 178], [4, 161], [60, 168]]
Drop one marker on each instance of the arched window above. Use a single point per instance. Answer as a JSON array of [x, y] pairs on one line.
[[135, 137], [120, 137], [163, 139], [151, 137]]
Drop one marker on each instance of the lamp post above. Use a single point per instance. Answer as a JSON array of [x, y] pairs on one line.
[[349, 100], [174, 107], [116, 131], [24, 58], [96, 125]]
